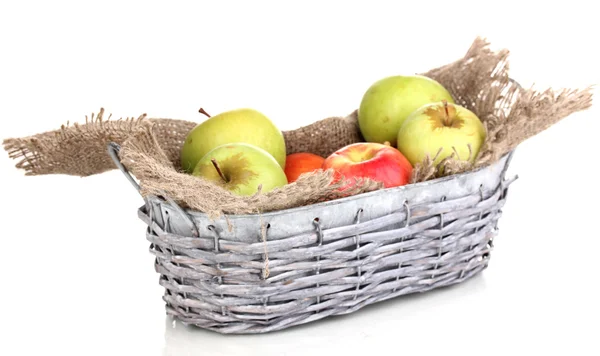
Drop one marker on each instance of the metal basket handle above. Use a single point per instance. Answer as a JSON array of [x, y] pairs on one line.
[[113, 151]]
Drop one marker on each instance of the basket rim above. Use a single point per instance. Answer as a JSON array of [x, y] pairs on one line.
[[506, 157]]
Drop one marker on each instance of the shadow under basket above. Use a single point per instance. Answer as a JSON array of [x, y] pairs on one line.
[[261, 273]]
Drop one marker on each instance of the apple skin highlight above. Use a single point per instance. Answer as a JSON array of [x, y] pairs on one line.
[[299, 163], [441, 127], [241, 168], [238, 125], [378, 162], [389, 101]]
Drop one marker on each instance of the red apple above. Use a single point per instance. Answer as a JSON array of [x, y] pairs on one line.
[[301, 162], [379, 162]]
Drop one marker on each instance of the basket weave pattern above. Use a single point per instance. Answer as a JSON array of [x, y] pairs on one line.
[[312, 252], [256, 287]]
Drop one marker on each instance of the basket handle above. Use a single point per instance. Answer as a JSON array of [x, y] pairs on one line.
[[113, 151]]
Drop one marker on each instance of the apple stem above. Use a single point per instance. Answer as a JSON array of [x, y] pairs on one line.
[[202, 111], [214, 162]]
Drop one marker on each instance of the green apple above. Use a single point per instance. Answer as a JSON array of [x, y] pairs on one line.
[[239, 125], [241, 168], [389, 101], [442, 126]]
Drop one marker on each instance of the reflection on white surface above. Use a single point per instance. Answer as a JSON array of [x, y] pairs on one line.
[[77, 277], [344, 334]]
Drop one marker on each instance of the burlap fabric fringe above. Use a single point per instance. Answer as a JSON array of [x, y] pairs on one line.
[[151, 146]]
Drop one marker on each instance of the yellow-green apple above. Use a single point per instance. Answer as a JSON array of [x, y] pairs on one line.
[[444, 126], [239, 125], [389, 101], [299, 163], [379, 162], [241, 168]]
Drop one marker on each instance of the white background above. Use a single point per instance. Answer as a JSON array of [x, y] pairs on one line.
[[77, 277]]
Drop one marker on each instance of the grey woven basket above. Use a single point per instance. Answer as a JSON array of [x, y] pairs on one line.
[[257, 274]]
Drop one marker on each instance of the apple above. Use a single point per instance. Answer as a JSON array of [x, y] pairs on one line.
[[389, 101], [442, 126], [301, 162], [239, 125], [379, 162], [241, 168]]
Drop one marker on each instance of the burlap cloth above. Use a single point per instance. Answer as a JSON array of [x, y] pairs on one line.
[[150, 146]]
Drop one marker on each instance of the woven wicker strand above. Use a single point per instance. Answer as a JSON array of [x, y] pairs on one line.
[[259, 273], [219, 284]]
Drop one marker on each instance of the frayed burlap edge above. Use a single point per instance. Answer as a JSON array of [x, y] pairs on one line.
[[144, 158], [510, 113], [74, 149], [479, 81]]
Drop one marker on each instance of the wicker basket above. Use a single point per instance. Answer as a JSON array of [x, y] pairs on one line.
[[258, 273], [261, 273]]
